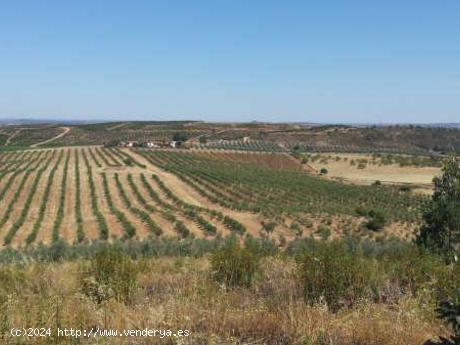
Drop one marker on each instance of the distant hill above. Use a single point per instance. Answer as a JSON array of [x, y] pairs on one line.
[[21, 122], [428, 139]]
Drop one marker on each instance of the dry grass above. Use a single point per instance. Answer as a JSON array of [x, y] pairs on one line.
[[390, 174], [179, 294]]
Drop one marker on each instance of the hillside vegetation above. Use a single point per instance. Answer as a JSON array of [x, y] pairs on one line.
[[341, 292], [242, 235], [82, 194], [264, 137]]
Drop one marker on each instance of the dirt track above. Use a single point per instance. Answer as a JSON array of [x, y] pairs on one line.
[[60, 135]]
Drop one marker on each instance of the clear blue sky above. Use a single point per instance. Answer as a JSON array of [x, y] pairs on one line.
[[223, 60]]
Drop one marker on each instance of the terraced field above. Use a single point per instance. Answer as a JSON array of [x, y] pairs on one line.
[[280, 192], [81, 194], [259, 188]]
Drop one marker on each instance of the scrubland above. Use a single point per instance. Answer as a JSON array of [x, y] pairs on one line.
[[310, 292]]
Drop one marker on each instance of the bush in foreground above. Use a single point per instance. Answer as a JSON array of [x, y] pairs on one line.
[[377, 220], [110, 273], [449, 311], [333, 274], [388, 289], [234, 266]]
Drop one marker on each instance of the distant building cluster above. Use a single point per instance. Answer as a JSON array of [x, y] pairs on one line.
[[148, 144]]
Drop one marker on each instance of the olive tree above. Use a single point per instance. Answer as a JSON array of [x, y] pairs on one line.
[[441, 229]]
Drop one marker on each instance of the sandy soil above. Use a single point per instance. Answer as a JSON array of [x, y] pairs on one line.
[[168, 227], [17, 208], [9, 194], [189, 223], [4, 180], [90, 226], [45, 232], [188, 194], [69, 225], [32, 216], [392, 174], [141, 228], [115, 228], [112, 158]]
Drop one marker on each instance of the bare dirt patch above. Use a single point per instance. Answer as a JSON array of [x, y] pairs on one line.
[[90, 226], [390, 174], [45, 232], [165, 226], [18, 206], [141, 228], [26, 229], [186, 193], [69, 225], [115, 228]]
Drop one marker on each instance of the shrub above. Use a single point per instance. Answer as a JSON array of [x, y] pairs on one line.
[[110, 273], [405, 188], [324, 232], [295, 148], [234, 266], [323, 171], [449, 311], [361, 211], [234, 225], [182, 229], [128, 161], [268, 227], [260, 246], [377, 220], [296, 229], [13, 280], [336, 275]]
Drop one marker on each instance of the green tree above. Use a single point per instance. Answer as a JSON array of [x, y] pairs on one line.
[[296, 148], [449, 311], [180, 136], [377, 220], [441, 229]]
